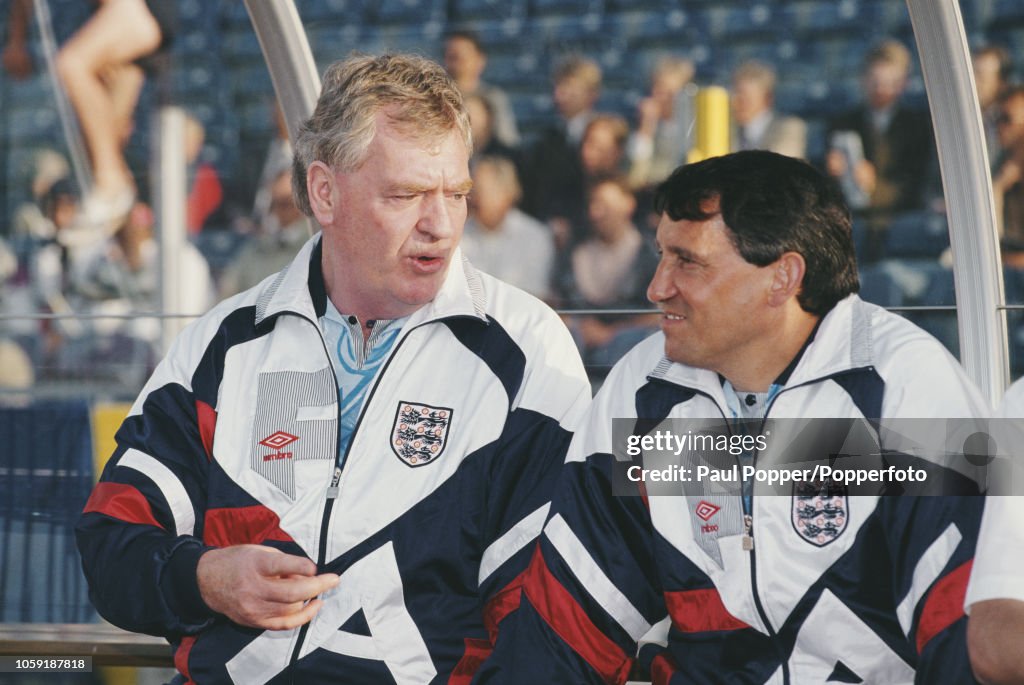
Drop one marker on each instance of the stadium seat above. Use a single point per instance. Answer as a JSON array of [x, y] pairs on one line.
[[44, 486], [316, 11], [540, 8], [918, 234], [470, 10], [725, 21], [410, 13], [939, 293], [1007, 11], [878, 285]]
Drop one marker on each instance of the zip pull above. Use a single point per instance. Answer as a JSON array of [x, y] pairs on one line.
[[332, 491], [748, 533]]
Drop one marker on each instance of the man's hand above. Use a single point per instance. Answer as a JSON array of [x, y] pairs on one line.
[[261, 587]]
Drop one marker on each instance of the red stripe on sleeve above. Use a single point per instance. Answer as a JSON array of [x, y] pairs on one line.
[[242, 525], [476, 654], [944, 606], [121, 501], [207, 417], [697, 611], [503, 603], [568, 619], [181, 658], [663, 667]]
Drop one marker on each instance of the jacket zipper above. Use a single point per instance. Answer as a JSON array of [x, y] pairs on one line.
[[748, 525], [329, 504], [334, 489]]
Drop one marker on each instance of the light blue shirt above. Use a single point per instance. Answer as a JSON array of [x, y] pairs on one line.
[[356, 362]]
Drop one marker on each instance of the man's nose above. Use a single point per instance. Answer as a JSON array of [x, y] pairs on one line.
[[661, 286], [436, 217]]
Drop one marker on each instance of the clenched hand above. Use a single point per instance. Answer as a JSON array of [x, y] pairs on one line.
[[261, 587]]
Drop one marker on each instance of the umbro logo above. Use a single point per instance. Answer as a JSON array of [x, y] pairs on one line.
[[276, 441], [705, 510]]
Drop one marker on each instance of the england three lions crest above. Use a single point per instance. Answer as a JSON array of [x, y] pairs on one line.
[[820, 511], [420, 432]]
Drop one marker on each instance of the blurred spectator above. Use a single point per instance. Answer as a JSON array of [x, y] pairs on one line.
[[465, 59], [757, 125], [17, 60], [1008, 176], [277, 160], [206, 193], [665, 120], [577, 87], [123, 278], [551, 172], [882, 150], [100, 70], [55, 265], [481, 119], [128, 268], [610, 269], [602, 152], [499, 238], [992, 67], [49, 167], [280, 236], [16, 373], [55, 270], [603, 148]]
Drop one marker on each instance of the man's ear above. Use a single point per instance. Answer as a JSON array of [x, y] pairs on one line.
[[787, 278], [320, 187]]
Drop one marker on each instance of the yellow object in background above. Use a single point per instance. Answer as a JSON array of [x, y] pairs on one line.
[[712, 129], [106, 419]]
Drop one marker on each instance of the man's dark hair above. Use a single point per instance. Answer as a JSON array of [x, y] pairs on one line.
[[772, 204]]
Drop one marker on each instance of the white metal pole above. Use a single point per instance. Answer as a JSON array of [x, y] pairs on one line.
[[967, 183]]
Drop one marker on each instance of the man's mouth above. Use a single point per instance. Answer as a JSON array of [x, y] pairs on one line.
[[427, 263]]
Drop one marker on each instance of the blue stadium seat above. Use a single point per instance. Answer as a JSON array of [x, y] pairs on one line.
[[654, 6], [1007, 11], [31, 123], [469, 10], [329, 41], [523, 72], [316, 11], [411, 13], [240, 44], [43, 488], [939, 293], [916, 234], [652, 29], [879, 286], [542, 8], [219, 247], [725, 21], [825, 98]]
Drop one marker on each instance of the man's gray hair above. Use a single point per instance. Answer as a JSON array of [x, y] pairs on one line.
[[421, 99]]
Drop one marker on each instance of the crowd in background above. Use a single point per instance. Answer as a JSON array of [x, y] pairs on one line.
[[564, 214]]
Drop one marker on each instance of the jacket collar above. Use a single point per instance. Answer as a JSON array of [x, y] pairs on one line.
[[299, 289], [842, 343]]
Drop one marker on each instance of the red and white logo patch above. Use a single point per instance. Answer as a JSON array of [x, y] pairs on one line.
[[705, 510], [420, 432], [278, 439]]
